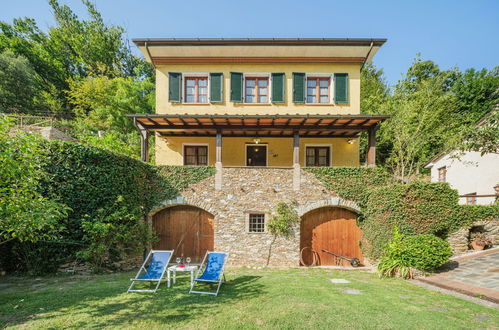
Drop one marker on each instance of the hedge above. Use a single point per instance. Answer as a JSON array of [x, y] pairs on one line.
[[99, 187], [416, 208]]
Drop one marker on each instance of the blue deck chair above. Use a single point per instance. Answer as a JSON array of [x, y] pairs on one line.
[[213, 272], [156, 270]]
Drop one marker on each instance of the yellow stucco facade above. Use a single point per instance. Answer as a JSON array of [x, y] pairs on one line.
[[169, 150]]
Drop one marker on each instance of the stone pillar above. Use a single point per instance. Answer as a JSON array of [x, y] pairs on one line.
[[144, 145], [296, 162], [218, 162], [371, 147]]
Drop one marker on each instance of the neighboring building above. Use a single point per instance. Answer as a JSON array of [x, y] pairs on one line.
[[474, 176], [258, 110]]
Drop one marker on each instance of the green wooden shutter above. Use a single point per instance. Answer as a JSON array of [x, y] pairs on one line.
[[175, 84], [236, 87], [216, 87], [341, 88], [278, 87], [298, 87]]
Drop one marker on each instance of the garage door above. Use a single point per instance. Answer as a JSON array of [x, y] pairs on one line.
[[333, 229], [186, 229]]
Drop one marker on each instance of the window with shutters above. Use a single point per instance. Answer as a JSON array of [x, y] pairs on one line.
[[195, 155], [196, 89], [317, 156], [318, 90], [256, 89]]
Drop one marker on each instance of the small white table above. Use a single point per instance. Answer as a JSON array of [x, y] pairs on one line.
[[174, 269]]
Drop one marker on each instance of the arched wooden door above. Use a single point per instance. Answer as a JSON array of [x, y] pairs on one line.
[[333, 229], [186, 229]]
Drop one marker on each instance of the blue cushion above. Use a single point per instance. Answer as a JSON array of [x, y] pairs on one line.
[[156, 267], [213, 268]]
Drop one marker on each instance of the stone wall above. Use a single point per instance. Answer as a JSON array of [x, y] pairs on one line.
[[459, 239], [247, 190]]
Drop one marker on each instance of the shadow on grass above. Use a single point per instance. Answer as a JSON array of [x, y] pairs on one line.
[[101, 306]]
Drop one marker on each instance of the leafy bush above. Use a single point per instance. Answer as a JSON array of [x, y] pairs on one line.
[[425, 252], [25, 214]]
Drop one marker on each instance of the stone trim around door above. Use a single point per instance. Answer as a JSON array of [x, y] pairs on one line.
[[333, 202]]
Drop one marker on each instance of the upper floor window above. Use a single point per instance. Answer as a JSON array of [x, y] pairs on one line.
[[256, 89], [318, 89], [196, 90], [442, 173]]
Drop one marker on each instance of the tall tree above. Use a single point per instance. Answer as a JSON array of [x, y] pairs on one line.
[[19, 84]]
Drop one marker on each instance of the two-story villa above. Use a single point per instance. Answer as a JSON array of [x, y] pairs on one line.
[[258, 110]]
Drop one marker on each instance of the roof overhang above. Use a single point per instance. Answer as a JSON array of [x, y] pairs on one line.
[[343, 126], [258, 51]]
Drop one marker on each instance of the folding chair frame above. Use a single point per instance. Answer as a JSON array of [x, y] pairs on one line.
[[136, 279], [221, 277]]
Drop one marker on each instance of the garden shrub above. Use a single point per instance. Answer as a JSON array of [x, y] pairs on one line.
[[424, 252]]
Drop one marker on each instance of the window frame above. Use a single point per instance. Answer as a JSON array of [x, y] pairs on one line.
[[443, 170], [184, 145], [248, 222], [320, 145], [471, 198], [246, 145], [318, 76], [196, 75], [256, 75]]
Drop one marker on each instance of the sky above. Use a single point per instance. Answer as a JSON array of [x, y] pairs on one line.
[[458, 33]]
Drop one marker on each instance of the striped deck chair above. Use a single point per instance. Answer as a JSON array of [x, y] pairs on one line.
[[213, 272], [156, 270]]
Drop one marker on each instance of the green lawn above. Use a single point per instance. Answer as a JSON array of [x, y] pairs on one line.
[[294, 298]]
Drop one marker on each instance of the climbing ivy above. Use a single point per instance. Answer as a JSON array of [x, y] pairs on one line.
[[180, 177], [416, 208], [351, 182]]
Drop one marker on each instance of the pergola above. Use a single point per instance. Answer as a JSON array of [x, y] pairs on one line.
[[275, 126]]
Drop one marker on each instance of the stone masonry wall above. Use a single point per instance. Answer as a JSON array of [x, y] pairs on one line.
[[257, 190], [459, 239]]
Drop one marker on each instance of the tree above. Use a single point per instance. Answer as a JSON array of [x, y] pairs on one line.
[[24, 214], [477, 92], [483, 138], [421, 123], [18, 84], [374, 93]]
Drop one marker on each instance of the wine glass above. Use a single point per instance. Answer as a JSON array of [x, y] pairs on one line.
[[178, 260], [188, 260]]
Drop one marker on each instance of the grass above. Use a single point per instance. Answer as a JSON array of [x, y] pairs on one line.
[[283, 299]]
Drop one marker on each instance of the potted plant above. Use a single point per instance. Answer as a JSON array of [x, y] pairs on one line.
[[480, 241]]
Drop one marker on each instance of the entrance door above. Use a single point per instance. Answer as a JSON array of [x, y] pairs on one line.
[[186, 229], [333, 229], [256, 155]]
